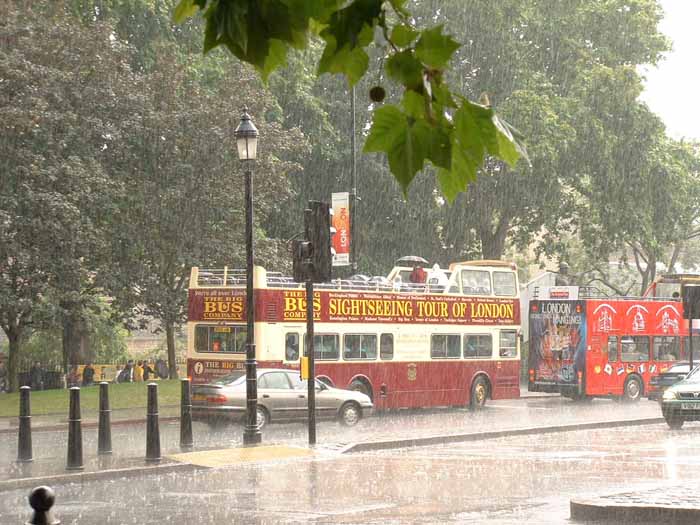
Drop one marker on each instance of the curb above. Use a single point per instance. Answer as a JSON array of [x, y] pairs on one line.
[[82, 477], [599, 511], [63, 426], [459, 438]]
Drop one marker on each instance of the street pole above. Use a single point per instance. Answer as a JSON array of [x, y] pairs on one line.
[[251, 433], [311, 383], [690, 338], [353, 184]]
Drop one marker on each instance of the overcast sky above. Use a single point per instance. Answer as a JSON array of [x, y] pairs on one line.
[[673, 89]]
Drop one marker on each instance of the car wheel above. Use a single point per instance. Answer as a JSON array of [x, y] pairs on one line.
[[359, 386], [674, 422], [262, 418], [633, 390], [479, 394], [350, 414]]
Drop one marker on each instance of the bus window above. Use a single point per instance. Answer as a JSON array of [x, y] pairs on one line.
[[360, 346], [478, 346], [386, 347], [326, 347], [291, 346], [634, 348], [612, 348], [476, 282], [667, 348], [504, 284], [444, 346], [220, 339], [508, 343]]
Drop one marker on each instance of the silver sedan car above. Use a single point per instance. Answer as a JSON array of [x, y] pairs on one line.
[[282, 396]]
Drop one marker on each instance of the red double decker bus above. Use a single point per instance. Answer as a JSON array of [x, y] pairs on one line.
[[453, 340], [582, 345]]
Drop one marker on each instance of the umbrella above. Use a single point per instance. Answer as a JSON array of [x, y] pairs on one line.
[[411, 260]]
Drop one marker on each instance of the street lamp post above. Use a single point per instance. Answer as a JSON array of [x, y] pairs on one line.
[[247, 144]]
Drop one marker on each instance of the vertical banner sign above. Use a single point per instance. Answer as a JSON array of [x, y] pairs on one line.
[[340, 203]]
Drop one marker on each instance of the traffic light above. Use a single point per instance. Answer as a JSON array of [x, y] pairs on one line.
[[691, 301], [301, 260], [319, 231]]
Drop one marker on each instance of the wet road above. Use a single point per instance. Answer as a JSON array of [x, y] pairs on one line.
[[129, 442], [528, 479]]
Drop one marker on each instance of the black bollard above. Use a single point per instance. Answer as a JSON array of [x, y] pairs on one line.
[[186, 441], [41, 500], [152, 431], [104, 430], [75, 432], [24, 445]]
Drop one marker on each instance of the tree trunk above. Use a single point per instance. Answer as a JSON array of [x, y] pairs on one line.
[[170, 341], [71, 342], [493, 243], [12, 359]]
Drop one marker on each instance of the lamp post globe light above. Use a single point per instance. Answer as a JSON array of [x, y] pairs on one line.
[[247, 145]]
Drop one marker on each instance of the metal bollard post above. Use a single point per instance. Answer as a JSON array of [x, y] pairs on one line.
[[152, 430], [41, 500], [24, 444], [104, 430], [186, 441], [75, 432]]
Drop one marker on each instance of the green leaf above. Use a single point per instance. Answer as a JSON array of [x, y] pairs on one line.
[[450, 186], [404, 68], [386, 124], [403, 35], [435, 49], [440, 148], [184, 10], [510, 149], [404, 139], [276, 58], [352, 63], [414, 104]]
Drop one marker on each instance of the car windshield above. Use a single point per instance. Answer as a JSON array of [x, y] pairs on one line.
[[693, 377], [235, 378]]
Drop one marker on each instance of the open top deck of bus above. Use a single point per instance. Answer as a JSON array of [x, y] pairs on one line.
[[480, 278]]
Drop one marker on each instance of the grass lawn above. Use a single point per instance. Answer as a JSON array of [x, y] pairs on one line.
[[122, 395]]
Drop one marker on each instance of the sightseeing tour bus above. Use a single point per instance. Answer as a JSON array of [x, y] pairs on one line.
[[451, 340], [584, 345]]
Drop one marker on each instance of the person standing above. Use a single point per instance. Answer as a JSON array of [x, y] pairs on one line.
[[88, 375], [138, 372], [147, 371], [36, 376]]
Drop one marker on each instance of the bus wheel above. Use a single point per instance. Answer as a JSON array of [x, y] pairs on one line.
[[674, 422], [633, 389], [480, 392], [361, 386]]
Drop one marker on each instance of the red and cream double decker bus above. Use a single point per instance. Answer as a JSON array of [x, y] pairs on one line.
[[584, 345], [453, 340]]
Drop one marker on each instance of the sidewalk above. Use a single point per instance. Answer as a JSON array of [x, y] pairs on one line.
[[678, 504]]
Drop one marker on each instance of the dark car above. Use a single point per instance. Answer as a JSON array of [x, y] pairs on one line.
[[282, 396], [661, 382]]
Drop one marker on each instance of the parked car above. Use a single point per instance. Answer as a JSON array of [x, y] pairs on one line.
[[661, 382], [282, 396], [681, 402]]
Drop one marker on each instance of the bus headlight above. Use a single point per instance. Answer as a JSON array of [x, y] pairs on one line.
[[669, 395]]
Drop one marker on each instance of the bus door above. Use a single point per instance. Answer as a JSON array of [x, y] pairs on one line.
[[666, 350], [609, 366]]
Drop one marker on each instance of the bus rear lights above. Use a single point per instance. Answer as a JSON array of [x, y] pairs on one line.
[[218, 400]]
